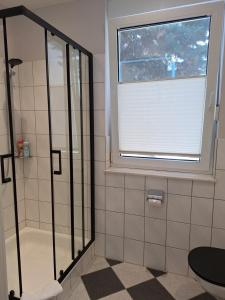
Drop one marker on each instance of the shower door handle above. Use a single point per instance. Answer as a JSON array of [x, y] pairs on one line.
[[59, 172], [4, 179]]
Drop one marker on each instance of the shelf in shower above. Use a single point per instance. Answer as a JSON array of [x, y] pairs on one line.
[[22, 157]]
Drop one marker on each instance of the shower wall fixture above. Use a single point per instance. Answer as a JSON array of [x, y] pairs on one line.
[[71, 147]]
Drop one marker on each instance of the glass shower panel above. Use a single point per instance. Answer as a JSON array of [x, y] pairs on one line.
[[86, 145], [60, 145], [7, 209], [77, 147]]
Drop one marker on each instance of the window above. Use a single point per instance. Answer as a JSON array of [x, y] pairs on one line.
[[165, 87]]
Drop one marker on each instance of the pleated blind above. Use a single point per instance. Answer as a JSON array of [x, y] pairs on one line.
[[162, 116]]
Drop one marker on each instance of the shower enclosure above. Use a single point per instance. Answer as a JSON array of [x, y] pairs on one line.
[[45, 238]]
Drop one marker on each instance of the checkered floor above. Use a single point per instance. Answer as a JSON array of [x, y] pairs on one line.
[[112, 280]]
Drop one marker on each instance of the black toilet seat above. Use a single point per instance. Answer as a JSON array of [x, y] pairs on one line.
[[209, 264]]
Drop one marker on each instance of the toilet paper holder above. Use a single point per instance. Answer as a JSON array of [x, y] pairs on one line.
[[155, 196]]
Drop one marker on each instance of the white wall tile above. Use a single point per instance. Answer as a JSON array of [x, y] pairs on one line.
[[179, 208], [26, 74], [156, 183], [4, 147], [201, 212], [178, 235], [134, 182], [220, 186], [155, 231], [99, 173], [62, 192], [203, 189], [16, 98], [32, 210], [115, 223], [58, 98], [100, 148], [115, 199], [100, 221], [39, 72], [30, 168], [21, 211], [100, 244], [99, 96], [8, 218], [42, 122], [44, 190], [7, 198], [3, 96], [20, 189], [134, 227], [115, 180], [134, 202], [32, 224], [43, 148], [40, 98], [59, 122], [20, 172], [179, 187], [62, 215], [43, 168], [27, 98], [18, 122], [133, 251], [45, 212], [218, 214], [3, 122], [220, 154], [31, 189], [99, 119], [154, 256], [200, 236], [28, 122], [114, 247], [218, 238], [176, 261], [100, 197]]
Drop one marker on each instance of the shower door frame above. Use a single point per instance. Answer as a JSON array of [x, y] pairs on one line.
[[21, 10]]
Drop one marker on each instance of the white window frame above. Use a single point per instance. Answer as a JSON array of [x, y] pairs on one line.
[[216, 11]]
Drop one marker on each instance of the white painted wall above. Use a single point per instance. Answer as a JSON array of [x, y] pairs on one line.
[[118, 8], [82, 20]]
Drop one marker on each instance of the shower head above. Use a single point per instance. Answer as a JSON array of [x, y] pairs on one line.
[[14, 62]]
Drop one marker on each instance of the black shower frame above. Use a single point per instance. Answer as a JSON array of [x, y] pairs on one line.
[[23, 11]]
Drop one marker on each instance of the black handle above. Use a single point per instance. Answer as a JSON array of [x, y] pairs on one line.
[[4, 179], [59, 172]]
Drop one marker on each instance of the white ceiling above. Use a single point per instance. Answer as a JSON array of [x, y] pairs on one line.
[[31, 4]]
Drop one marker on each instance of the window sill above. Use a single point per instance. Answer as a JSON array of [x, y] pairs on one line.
[[163, 174]]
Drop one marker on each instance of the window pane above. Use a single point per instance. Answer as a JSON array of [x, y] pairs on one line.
[[164, 51]]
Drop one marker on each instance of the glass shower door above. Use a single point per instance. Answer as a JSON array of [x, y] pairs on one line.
[[9, 198], [60, 151], [81, 146], [69, 114]]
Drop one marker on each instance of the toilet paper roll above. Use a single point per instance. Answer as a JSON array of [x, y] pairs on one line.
[[154, 202]]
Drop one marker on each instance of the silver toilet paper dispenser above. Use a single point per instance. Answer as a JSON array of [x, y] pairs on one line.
[[155, 197]]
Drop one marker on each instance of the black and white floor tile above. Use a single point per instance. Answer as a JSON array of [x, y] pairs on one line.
[[112, 280]]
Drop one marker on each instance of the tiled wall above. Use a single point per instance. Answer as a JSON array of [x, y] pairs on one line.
[[33, 174], [6, 190], [37, 168], [129, 229]]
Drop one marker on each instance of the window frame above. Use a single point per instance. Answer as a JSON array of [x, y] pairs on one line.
[[215, 10]]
